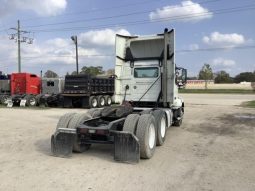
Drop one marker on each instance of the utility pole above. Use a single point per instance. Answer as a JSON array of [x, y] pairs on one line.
[[19, 38], [19, 58]]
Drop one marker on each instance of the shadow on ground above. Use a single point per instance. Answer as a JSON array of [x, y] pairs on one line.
[[226, 125]]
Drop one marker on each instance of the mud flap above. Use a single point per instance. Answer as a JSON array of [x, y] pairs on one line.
[[126, 147], [62, 144]]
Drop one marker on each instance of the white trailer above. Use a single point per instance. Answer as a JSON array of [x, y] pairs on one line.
[[146, 87]]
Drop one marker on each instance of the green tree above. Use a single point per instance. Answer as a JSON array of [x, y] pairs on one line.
[[222, 77], [91, 70], [245, 77], [50, 74], [110, 72], [205, 74]]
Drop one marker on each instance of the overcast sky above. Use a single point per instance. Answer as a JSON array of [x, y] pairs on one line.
[[204, 28]]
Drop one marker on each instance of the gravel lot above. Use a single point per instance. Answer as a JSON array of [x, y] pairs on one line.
[[214, 149]]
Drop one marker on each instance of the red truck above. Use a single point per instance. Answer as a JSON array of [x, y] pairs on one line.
[[25, 83], [23, 86]]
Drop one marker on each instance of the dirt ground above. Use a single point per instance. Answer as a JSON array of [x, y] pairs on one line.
[[214, 149]]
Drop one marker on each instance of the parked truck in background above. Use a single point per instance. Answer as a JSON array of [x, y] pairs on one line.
[[88, 91], [21, 86], [51, 94], [5, 87], [81, 90], [146, 86]]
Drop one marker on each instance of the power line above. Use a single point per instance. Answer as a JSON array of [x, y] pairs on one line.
[[177, 51], [95, 10], [187, 16], [114, 16], [216, 48]]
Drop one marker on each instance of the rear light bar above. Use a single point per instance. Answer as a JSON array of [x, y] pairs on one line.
[[94, 131]]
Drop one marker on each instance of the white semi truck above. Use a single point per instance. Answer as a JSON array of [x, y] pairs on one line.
[[146, 86]]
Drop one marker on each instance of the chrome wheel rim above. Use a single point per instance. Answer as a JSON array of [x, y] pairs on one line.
[[152, 136]]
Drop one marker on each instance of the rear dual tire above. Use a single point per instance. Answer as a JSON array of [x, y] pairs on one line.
[[75, 121], [144, 127], [161, 123], [146, 133], [150, 129], [72, 121]]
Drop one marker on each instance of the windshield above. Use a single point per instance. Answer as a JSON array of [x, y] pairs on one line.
[[148, 72]]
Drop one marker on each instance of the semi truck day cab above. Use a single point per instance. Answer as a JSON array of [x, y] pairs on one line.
[[146, 86]]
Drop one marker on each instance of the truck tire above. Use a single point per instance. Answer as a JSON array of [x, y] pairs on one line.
[[93, 103], [146, 111], [101, 101], [31, 100], [116, 111], [64, 120], [108, 100], [123, 111], [4, 99], [161, 122], [177, 122], [76, 120], [146, 133], [94, 112], [38, 99], [130, 123]]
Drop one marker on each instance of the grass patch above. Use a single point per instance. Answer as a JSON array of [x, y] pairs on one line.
[[250, 104], [217, 91]]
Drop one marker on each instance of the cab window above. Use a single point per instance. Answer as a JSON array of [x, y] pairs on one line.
[[146, 72]]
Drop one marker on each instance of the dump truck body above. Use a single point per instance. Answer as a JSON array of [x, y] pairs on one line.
[[87, 91]]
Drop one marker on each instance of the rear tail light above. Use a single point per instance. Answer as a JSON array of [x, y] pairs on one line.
[[94, 131], [102, 132]]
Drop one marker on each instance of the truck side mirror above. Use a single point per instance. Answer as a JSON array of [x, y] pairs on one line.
[[184, 76]]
